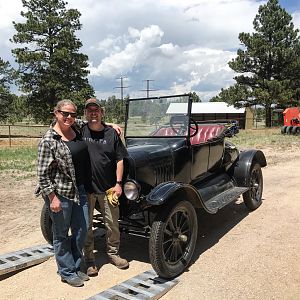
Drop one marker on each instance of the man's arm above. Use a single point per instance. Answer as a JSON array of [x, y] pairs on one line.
[[119, 175], [80, 123]]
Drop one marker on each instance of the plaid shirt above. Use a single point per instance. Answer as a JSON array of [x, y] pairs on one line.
[[56, 172]]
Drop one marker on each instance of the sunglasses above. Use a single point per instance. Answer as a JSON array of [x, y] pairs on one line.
[[67, 113]]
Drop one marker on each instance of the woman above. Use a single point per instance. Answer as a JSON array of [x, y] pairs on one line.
[[64, 179]]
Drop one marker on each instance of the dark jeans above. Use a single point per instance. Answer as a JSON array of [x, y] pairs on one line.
[[68, 248]]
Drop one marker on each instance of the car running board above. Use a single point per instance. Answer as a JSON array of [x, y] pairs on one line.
[[221, 200]]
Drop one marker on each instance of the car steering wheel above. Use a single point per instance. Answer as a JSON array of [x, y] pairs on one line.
[[194, 127], [179, 124]]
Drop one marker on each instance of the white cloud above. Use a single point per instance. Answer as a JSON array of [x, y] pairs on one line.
[[133, 54], [203, 67], [296, 19], [9, 11], [182, 51], [182, 45]]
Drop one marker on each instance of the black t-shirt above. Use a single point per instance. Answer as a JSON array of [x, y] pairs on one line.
[[105, 149], [81, 161]]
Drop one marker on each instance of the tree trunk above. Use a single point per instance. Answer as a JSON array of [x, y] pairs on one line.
[[268, 116]]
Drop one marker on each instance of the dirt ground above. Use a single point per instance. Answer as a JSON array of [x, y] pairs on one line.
[[239, 255]]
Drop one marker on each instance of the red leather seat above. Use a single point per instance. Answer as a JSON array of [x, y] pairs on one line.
[[206, 132], [165, 132]]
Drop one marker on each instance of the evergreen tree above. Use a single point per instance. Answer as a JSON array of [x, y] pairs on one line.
[[236, 95], [195, 97], [18, 110], [50, 65], [6, 98], [114, 109], [265, 65]]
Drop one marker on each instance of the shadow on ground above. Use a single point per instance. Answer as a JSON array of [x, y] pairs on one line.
[[132, 248], [211, 228]]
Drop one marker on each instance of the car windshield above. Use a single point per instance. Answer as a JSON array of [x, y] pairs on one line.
[[165, 116]]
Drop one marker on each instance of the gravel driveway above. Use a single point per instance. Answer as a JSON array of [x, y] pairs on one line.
[[239, 255]]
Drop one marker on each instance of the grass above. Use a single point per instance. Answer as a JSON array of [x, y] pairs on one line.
[[23, 130], [265, 137], [21, 159], [24, 158]]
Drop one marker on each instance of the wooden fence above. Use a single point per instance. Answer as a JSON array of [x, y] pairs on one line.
[[21, 134]]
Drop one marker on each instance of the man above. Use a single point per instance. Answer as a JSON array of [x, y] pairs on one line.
[[106, 154]]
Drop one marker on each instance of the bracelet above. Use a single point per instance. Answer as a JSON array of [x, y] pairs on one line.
[[119, 182]]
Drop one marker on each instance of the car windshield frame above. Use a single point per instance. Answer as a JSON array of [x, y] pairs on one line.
[[157, 117]]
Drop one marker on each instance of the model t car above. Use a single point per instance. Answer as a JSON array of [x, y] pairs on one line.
[[175, 167]]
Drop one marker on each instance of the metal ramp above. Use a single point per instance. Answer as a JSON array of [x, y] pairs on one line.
[[145, 286], [21, 259]]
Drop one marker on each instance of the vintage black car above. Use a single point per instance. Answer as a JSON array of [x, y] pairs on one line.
[[177, 166]]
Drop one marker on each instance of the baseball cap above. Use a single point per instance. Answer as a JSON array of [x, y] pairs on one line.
[[92, 101]]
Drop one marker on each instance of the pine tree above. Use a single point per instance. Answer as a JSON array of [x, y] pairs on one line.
[[6, 98], [195, 97], [265, 64], [51, 67]]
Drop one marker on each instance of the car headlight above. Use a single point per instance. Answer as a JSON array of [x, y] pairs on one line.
[[131, 190]]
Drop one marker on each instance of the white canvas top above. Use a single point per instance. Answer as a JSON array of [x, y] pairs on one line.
[[205, 108]]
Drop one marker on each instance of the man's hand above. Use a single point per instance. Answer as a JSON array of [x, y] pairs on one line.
[[113, 196]]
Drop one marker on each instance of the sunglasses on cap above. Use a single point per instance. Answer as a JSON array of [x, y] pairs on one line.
[[65, 114]]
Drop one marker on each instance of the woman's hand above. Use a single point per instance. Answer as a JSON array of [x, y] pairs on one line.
[[116, 127], [55, 204]]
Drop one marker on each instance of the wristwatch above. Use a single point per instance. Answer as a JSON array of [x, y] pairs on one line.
[[119, 182]]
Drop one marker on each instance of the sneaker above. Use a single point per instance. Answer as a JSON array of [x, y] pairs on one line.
[[119, 262], [83, 276], [92, 271], [74, 281]]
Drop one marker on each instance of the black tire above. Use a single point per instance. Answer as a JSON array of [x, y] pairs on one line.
[[295, 130], [289, 129], [283, 129], [253, 197], [46, 224], [173, 239]]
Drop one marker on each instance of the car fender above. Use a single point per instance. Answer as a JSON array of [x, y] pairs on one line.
[[165, 192], [242, 166]]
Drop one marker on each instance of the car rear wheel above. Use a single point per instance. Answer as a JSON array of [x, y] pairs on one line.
[[173, 239], [46, 224], [252, 198]]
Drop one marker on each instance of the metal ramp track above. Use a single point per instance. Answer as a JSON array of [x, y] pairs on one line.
[[21, 259], [145, 286]]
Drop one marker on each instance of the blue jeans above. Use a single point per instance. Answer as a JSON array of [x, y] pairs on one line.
[[68, 249]]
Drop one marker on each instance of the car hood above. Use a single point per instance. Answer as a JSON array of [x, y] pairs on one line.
[[151, 164]]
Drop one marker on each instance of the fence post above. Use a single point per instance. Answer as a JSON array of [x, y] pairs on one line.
[[9, 135]]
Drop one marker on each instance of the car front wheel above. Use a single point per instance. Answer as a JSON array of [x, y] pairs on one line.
[[252, 198], [173, 239]]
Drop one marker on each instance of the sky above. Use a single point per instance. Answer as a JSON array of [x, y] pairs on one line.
[[178, 46]]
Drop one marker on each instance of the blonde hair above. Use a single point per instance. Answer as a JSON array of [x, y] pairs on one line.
[[62, 103]]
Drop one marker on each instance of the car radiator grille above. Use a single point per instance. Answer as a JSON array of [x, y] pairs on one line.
[[163, 172]]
